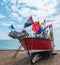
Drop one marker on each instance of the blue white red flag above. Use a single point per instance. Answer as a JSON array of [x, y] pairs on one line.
[[29, 22]]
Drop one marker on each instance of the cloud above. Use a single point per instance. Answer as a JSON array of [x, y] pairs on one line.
[[4, 1], [21, 9], [18, 26], [44, 9], [49, 4], [57, 26], [57, 18], [7, 23], [13, 1], [4, 35], [14, 8], [16, 17], [33, 3], [24, 8], [2, 16], [57, 22], [7, 8], [25, 12]]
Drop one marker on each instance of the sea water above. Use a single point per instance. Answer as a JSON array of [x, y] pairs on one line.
[[9, 44]]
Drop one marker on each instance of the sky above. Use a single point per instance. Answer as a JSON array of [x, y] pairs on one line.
[[16, 12]]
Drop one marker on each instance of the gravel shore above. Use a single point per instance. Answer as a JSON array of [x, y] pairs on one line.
[[6, 58]]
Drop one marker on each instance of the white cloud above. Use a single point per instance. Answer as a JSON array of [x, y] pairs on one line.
[[48, 4], [25, 12], [39, 13], [19, 26], [13, 1], [33, 3], [45, 8], [7, 23], [20, 19], [4, 35], [57, 18], [56, 26], [7, 8], [4, 1], [16, 16], [57, 22], [14, 8], [2, 16]]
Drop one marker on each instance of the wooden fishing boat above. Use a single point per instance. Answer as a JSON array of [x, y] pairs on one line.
[[37, 44], [37, 47]]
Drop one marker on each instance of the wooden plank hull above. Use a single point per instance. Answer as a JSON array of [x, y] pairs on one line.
[[37, 44]]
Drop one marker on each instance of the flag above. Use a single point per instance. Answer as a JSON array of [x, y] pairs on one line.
[[50, 25], [12, 27], [40, 30], [44, 20], [29, 22], [42, 23], [23, 31], [36, 26]]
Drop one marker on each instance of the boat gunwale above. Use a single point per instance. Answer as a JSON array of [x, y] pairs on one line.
[[35, 38]]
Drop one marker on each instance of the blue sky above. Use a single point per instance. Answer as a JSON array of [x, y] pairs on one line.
[[16, 12]]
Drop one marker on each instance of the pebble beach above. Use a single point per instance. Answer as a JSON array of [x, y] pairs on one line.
[[7, 58]]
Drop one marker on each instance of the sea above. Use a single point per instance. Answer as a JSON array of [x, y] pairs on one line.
[[9, 44]]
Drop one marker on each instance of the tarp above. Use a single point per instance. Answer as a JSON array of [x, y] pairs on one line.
[[16, 35]]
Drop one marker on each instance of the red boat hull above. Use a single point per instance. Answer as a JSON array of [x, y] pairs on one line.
[[37, 44]]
